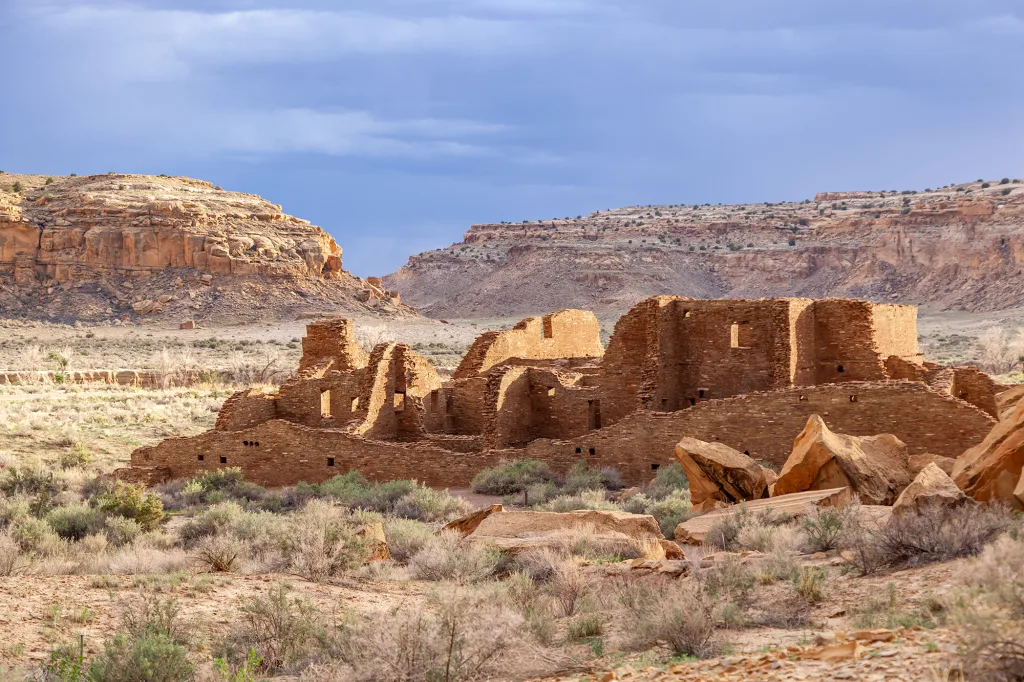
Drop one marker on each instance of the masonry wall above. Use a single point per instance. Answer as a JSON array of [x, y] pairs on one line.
[[454, 408], [974, 386], [246, 409], [845, 342], [331, 342], [896, 331], [629, 368], [765, 425], [565, 334]]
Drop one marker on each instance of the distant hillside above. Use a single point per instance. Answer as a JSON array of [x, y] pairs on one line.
[[116, 246], [958, 247]]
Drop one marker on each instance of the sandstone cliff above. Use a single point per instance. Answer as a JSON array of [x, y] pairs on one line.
[[107, 246], [959, 247]]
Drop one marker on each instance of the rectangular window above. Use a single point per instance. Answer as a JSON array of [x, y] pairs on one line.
[[354, 405], [399, 401], [202, 457], [434, 395], [330, 461], [547, 329], [325, 404], [740, 335], [594, 407], [223, 460]]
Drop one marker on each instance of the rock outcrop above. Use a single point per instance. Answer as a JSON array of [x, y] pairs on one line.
[[917, 463], [955, 247], [141, 245], [717, 472], [874, 467], [514, 531], [991, 470], [931, 488]]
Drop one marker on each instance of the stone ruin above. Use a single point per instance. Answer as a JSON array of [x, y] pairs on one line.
[[744, 373]]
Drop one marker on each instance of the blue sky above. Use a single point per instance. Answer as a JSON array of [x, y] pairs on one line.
[[395, 124]]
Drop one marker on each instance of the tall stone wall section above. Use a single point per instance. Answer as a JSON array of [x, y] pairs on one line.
[[331, 342], [566, 334]]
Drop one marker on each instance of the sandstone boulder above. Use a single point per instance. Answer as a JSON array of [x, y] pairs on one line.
[[874, 467], [514, 531], [1018, 492], [187, 324], [372, 534], [468, 523], [717, 472], [931, 488], [991, 470], [692, 531], [916, 463]]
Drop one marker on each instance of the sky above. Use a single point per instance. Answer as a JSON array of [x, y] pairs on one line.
[[396, 124]]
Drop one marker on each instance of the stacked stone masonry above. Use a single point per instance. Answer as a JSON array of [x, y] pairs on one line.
[[747, 373]]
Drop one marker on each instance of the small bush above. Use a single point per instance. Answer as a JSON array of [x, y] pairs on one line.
[[679, 616], [940, 534], [278, 627], [670, 511], [149, 646], [809, 583], [77, 457], [586, 499], [729, 580], [539, 565], [427, 504], [582, 477], [513, 477], [568, 587], [132, 502], [824, 526], [999, 571], [11, 560], [447, 556], [406, 537], [220, 554], [74, 522], [121, 531], [35, 535], [725, 532], [667, 481], [322, 543], [585, 627]]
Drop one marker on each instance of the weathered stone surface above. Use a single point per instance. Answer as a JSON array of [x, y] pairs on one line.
[[992, 469], [372, 534], [692, 531], [513, 531], [915, 463], [930, 488], [1018, 492], [717, 472], [188, 324], [467, 524], [874, 467]]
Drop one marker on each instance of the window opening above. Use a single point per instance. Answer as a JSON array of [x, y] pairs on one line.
[[223, 460], [654, 467], [399, 401], [330, 461], [547, 330], [325, 403]]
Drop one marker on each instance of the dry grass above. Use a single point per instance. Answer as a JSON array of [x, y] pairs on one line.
[[448, 556]]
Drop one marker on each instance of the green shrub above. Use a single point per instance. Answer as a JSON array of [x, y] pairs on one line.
[[670, 511], [585, 627], [75, 522], [668, 480], [132, 502], [121, 531], [35, 535], [809, 583], [16, 187], [150, 657], [583, 477], [279, 628], [508, 478], [447, 556], [985, 185], [49, 181], [406, 537], [76, 458], [426, 504], [322, 542], [824, 526], [587, 499], [29, 480]]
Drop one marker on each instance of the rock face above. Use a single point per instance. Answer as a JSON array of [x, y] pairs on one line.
[[930, 488], [874, 467], [992, 469], [960, 246], [514, 531], [693, 531], [62, 234], [917, 463], [717, 472], [469, 523]]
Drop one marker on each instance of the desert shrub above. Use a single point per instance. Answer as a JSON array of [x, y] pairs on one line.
[[999, 572], [121, 531], [467, 634], [582, 477], [935, 534], [508, 478], [725, 533], [568, 587], [323, 543], [12, 509], [583, 541], [669, 479], [280, 628], [780, 564], [35, 535], [729, 580], [132, 502], [406, 537], [824, 526], [219, 554], [149, 646], [78, 456], [809, 583], [585, 627], [539, 565], [426, 504], [29, 480], [447, 556], [586, 499], [74, 522], [540, 493], [215, 520], [678, 615], [12, 562]]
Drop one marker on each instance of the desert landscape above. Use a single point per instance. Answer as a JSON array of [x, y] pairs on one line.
[[747, 442]]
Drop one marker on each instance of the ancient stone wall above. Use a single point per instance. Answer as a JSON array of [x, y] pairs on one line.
[[331, 343], [246, 409], [974, 386], [629, 366], [765, 424], [565, 334], [845, 347]]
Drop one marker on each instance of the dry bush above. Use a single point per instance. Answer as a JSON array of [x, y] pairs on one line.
[[823, 526], [568, 588], [999, 571], [999, 352], [268, 367], [584, 541], [220, 554], [405, 537], [809, 583], [281, 628], [323, 542], [539, 565], [994, 651], [677, 615], [12, 560], [465, 634], [935, 534], [447, 556], [370, 336]]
